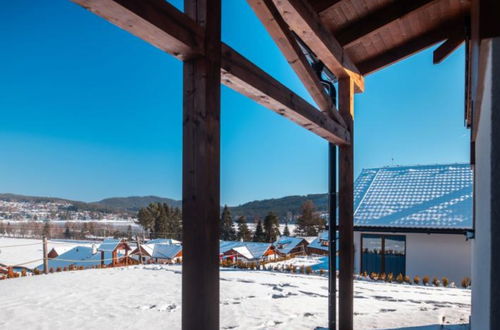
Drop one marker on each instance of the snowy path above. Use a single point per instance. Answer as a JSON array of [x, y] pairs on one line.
[[149, 297]]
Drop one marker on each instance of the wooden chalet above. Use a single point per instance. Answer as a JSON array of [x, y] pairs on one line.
[[247, 251], [325, 41], [291, 246], [118, 248]]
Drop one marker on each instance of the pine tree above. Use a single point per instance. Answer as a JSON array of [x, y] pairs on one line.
[[67, 231], [244, 234], [259, 235], [2, 228], [271, 227], [227, 232], [286, 231], [309, 223], [129, 232]]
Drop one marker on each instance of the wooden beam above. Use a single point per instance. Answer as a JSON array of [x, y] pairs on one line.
[[155, 21], [410, 47], [270, 17], [238, 72], [377, 19], [322, 5], [305, 22], [201, 173], [346, 209], [446, 48], [248, 79]]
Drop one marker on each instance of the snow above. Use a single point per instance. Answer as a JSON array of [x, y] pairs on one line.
[[430, 196], [31, 250], [149, 297]]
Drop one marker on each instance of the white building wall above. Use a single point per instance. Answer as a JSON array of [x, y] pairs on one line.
[[481, 258], [435, 255]]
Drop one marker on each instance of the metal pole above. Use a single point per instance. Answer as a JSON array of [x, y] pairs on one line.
[[45, 256], [332, 236]]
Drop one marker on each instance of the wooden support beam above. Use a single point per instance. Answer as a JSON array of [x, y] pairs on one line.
[[410, 47], [201, 173], [270, 17], [377, 19], [346, 209], [305, 22], [238, 72], [322, 5], [447, 47], [245, 77], [155, 21]]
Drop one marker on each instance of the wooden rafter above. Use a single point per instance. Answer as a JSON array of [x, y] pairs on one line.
[[447, 47], [322, 5], [377, 19], [161, 24], [305, 22], [284, 38], [410, 47], [154, 21], [248, 79]]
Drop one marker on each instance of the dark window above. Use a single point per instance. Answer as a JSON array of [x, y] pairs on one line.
[[383, 254]]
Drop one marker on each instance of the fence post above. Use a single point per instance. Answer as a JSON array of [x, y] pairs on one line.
[[45, 256], [139, 247]]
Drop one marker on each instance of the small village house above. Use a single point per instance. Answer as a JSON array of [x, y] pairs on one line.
[[117, 248], [291, 246], [247, 251]]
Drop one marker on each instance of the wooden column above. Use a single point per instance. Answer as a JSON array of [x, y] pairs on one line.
[[201, 173], [346, 209], [332, 236]]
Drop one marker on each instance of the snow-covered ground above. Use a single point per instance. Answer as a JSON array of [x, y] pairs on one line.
[[29, 252], [149, 297]]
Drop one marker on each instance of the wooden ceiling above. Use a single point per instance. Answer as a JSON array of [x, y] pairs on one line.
[[377, 33]]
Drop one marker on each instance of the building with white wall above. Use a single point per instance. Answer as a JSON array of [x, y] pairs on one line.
[[414, 220]]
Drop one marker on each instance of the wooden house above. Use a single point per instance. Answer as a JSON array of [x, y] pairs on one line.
[[247, 251], [118, 248], [291, 246]]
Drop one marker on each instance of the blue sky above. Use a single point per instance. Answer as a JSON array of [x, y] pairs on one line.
[[90, 111]]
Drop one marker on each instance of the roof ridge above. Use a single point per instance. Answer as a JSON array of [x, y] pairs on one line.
[[413, 166]]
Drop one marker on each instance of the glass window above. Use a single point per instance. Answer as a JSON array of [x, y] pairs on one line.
[[383, 254]]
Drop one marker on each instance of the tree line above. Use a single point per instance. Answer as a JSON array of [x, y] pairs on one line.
[[309, 223]]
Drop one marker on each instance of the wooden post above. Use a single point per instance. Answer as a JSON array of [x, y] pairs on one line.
[[45, 256], [201, 173], [346, 209], [332, 236], [139, 247]]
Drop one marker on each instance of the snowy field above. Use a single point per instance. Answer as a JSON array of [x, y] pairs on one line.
[[149, 297], [29, 252]]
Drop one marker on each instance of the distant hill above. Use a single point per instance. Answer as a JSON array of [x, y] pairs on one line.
[[280, 206], [134, 203], [131, 205], [76, 205]]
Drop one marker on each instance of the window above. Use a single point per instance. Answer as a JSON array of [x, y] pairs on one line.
[[383, 254]]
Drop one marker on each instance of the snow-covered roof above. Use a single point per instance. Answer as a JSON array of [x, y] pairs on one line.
[[109, 244], [163, 241], [430, 196], [78, 256], [243, 250], [285, 244], [166, 251], [318, 243], [257, 249]]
